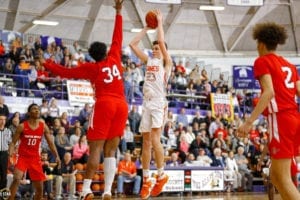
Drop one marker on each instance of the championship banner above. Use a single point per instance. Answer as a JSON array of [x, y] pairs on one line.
[[220, 104], [9, 37], [243, 77], [207, 180], [80, 92], [176, 181]]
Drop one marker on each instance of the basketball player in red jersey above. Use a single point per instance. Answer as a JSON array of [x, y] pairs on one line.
[[158, 69], [280, 84], [110, 112], [30, 134]]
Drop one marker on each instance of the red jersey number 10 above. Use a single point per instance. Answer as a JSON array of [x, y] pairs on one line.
[[111, 73]]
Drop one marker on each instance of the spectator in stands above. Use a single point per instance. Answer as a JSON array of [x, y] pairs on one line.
[[28, 54], [53, 109], [249, 149], [219, 143], [8, 67], [73, 128], [221, 130], [2, 49], [203, 159], [74, 138], [181, 83], [55, 126], [81, 150], [174, 162], [172, 137], [190, 136], [190, 160], [84, 113], [62, 142], [198, 143], [5, 139], [44, 109], [37, 44], [128, 140], [14, 54], [242, 162], [197, 118], [47, 169], [134, 118], [191, 92], [64, 121], [3, 108], [42, 75], [67, 175], [135, 78], [183, 144], [231, 170], [182, 118], [170, 116], [214, 125], [22, 70], [32, 77], [217, 159], [127, 173], [180, 68], [14, 122]]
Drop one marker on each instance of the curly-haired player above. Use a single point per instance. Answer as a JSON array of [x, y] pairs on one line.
[[280, 84]]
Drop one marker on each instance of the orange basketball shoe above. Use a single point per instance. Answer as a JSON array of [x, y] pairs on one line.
[[146, 188], [87, 195], [158, 187]]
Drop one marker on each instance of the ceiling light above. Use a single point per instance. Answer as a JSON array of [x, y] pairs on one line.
[[207, 7], [45, 22], [137, 30]]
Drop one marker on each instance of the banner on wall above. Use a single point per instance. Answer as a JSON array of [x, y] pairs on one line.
[[8, 38], [207, 180], [220, 104], [243, 77], [176, 181], [46, 40], [80, 92]]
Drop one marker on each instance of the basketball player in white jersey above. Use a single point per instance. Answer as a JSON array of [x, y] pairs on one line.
[[158, 69]]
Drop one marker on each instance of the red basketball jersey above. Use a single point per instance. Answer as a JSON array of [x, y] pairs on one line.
[[284, 76], [30, 140]]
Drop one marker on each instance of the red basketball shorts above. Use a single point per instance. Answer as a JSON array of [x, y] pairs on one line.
[[108, 119], [284, 135], [32, 166]]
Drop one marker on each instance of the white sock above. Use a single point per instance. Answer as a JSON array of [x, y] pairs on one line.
[[146, 173], [160, 172], [109, 173], [86, 185]]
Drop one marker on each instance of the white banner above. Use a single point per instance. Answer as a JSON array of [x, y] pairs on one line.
[[80, 92], [164, 1], [176, 181], [207, 180]]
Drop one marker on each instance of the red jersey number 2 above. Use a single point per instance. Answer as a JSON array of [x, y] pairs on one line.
[[111, 73], [288, 80]]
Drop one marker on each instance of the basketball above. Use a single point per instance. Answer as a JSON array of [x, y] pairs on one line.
[[100, 167], [96, 177], [101, 177], [79, 177], [79, 187], [151, 19], [96, 187], [79, 166]]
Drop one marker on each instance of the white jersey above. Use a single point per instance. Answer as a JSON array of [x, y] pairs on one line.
[[156, 79]]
